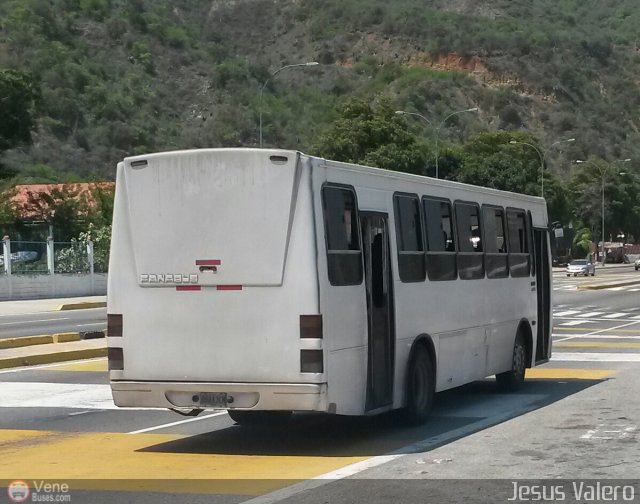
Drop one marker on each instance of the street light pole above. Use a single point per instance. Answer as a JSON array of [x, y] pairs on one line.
[[542, 157], [602, 171], [439, 127], [307, 64]]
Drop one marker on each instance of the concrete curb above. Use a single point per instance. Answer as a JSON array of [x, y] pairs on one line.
[[49, 358], [81, 306], [38, 340]]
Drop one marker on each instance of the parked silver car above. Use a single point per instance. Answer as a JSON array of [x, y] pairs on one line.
[[581, 267], [637, 264]]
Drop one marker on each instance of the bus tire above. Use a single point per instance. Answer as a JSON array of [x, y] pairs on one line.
[[420, 388], [514, 378], [248, 417]]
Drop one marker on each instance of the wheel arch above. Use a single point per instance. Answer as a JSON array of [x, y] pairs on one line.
[[426, 341], [524, 328]]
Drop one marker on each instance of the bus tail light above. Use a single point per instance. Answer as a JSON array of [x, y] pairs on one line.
[[114, 324], [311, 326], [115, 356], [311, 361]]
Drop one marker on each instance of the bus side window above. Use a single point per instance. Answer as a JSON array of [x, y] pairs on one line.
[[496, 259], [409, 232], [519, 247], [342, 236], [470, 256], [441, 242]]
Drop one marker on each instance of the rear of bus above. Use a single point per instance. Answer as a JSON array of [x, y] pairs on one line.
[[213, 288]]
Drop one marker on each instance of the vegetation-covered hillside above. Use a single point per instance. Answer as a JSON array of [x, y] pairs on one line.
[[118, 77], [88, 82]]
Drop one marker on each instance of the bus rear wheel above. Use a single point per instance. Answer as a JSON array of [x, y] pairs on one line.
[[514, 378], [420, 388], [248, 417]]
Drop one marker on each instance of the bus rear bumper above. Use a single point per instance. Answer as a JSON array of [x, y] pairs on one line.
[[258, 396]]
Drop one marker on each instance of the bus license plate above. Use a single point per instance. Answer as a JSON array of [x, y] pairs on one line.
[[213, 399]]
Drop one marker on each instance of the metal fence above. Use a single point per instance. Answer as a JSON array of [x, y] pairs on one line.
[[37, 258]]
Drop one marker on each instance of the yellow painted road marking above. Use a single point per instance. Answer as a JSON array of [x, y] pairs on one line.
[[111, 461], [93, 365], [568, 374], [596, 344]]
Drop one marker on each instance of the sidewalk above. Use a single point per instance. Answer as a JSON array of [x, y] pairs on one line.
[[46, 349], [45, 305]]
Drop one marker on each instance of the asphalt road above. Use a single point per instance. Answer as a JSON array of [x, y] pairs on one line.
[[52, 322], [577, 417]]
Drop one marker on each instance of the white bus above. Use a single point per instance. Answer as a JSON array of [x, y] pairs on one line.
[[269, 281]]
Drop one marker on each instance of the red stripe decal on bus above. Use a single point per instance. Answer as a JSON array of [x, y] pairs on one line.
[[208, 262], [229, 287], [188, 288]]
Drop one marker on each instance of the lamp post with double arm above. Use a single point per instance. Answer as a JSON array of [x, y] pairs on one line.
[[542, 156], [603, 171], [436, 128]]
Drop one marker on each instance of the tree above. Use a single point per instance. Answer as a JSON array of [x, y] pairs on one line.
[[18, 95], [582, 240], [370, 135], [491, 161]]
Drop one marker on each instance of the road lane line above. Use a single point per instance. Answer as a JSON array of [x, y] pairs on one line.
[[565, 313], [179, 422], [614, 315], [596, 344], [576, 322], [597, 332], [590, 314], [599, 337], [32, 321], [594, 357]]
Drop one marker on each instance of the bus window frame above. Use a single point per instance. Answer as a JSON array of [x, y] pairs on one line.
[[410, 261], [496, 263], [471, 263], [333, 254], [441, 265], [519, 262]]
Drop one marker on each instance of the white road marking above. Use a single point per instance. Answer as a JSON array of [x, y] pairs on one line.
[[598, 333], [576, 322], [623, 432], [590, 314], [566, 313], [55, 395], [179, 422], [614, 315], [594, 357], [615, 288], [562, 337], [101, 324]]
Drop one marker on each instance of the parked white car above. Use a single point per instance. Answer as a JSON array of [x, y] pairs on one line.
[[581, 267], [637, 264], [21, 256]]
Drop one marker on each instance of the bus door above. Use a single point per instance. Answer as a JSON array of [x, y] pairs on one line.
[[543, 283], [378, 280]]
